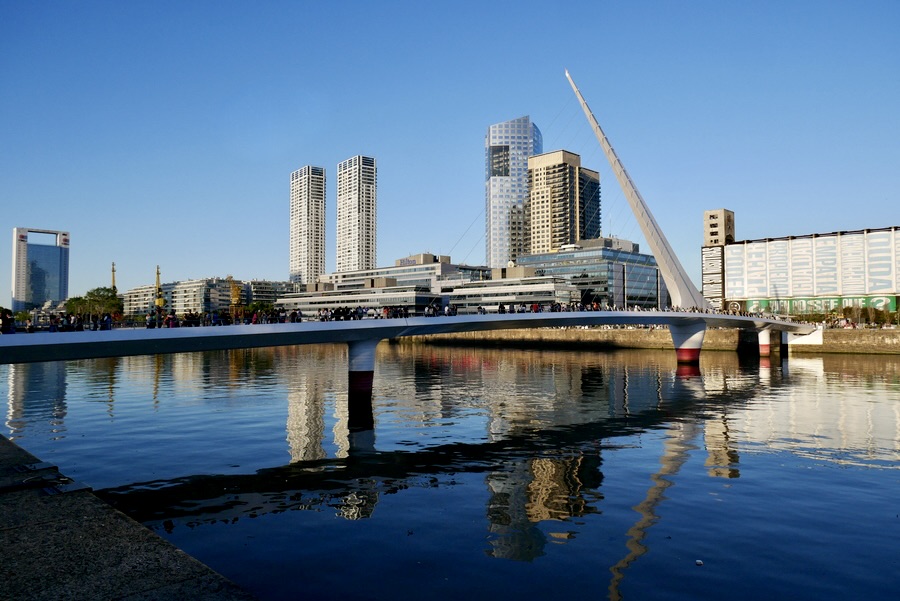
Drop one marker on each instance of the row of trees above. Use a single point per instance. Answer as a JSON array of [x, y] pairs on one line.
[[97, 301]]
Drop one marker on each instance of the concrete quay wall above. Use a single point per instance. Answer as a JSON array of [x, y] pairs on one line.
[[835, 341], [864, 342], [68, 544]]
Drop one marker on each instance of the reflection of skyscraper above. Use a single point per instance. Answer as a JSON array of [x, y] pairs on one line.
[[307, 249], [36, 398], [40, 271], [507, 147], [356, 216]]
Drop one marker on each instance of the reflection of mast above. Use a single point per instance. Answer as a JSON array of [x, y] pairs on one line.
[[675, 455]]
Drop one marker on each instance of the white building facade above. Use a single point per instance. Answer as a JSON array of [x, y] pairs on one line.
[[307, 224], [357, 185], [507, 147], [816, 273]]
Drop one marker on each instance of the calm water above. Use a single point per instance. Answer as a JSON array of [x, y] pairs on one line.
[[492, 474]]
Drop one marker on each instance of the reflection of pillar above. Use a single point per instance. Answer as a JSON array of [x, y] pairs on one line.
[[687, 336], [361, 372], [764, 340]]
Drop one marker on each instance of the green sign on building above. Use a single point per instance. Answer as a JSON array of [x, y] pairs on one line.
[[799, 306]]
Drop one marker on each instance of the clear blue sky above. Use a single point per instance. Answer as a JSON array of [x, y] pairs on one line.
[[165, 132]]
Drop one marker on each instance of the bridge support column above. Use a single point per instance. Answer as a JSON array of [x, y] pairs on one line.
[[765, 347], [688, 339], [361, 373]]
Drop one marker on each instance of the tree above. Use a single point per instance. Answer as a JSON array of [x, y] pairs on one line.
[[96, 301]]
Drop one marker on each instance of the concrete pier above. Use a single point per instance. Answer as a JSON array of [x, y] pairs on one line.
[[62, 542]]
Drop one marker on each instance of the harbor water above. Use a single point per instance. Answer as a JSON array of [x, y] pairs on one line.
[[491, 473]]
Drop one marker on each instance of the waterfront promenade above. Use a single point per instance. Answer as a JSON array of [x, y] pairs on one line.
[[62, 542]]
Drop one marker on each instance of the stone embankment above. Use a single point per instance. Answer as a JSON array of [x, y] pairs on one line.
[[62, 542], [834, 341]]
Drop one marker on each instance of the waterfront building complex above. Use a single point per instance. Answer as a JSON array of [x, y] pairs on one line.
[[40, 268], [307, 225], [813, 273], [611, 272], [507, 147], [356, 214], [563, 202], [414, 282], [203, 295]]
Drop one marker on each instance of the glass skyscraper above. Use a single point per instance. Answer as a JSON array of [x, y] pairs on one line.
[[40, 272], [507, 147]]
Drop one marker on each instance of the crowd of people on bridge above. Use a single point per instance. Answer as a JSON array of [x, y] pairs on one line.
[[161, 319]]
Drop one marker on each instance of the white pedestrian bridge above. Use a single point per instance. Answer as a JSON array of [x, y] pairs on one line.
[[363, 335]]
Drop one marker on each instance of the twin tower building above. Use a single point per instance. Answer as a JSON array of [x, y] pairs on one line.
[[534, 203]]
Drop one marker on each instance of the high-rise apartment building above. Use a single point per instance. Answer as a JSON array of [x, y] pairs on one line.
[[356, 214], [307, 253], [563, 204], [507, 147], [40, 269]]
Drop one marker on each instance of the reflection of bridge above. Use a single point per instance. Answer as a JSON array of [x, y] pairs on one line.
[[362, 337]]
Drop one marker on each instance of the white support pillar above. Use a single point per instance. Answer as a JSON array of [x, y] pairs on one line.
[[688, 339], [765, 347]]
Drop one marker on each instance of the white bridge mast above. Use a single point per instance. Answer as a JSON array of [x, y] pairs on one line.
[[682, 291]]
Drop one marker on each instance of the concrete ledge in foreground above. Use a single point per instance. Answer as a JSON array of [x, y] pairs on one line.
[[72, 545]]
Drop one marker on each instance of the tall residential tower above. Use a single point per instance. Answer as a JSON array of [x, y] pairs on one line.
[[356, 214], [307, 224], [563, 204], [40, 271], [507, 147]]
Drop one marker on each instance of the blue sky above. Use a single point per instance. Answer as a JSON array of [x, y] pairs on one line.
[[164, 133]]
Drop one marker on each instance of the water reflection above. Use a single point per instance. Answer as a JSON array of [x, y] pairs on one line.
[[535, 427]]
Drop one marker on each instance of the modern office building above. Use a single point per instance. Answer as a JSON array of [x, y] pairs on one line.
[[813, 273], [516, 294], [414, 283], [356, 214], [434, 272], [563, 202], [611, 272], [507, 147], [40, 269], [307, 252]]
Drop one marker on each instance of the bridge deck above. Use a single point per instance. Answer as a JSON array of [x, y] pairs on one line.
[[44, 346]]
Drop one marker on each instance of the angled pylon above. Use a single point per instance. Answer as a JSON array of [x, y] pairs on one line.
[[683, 292]]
